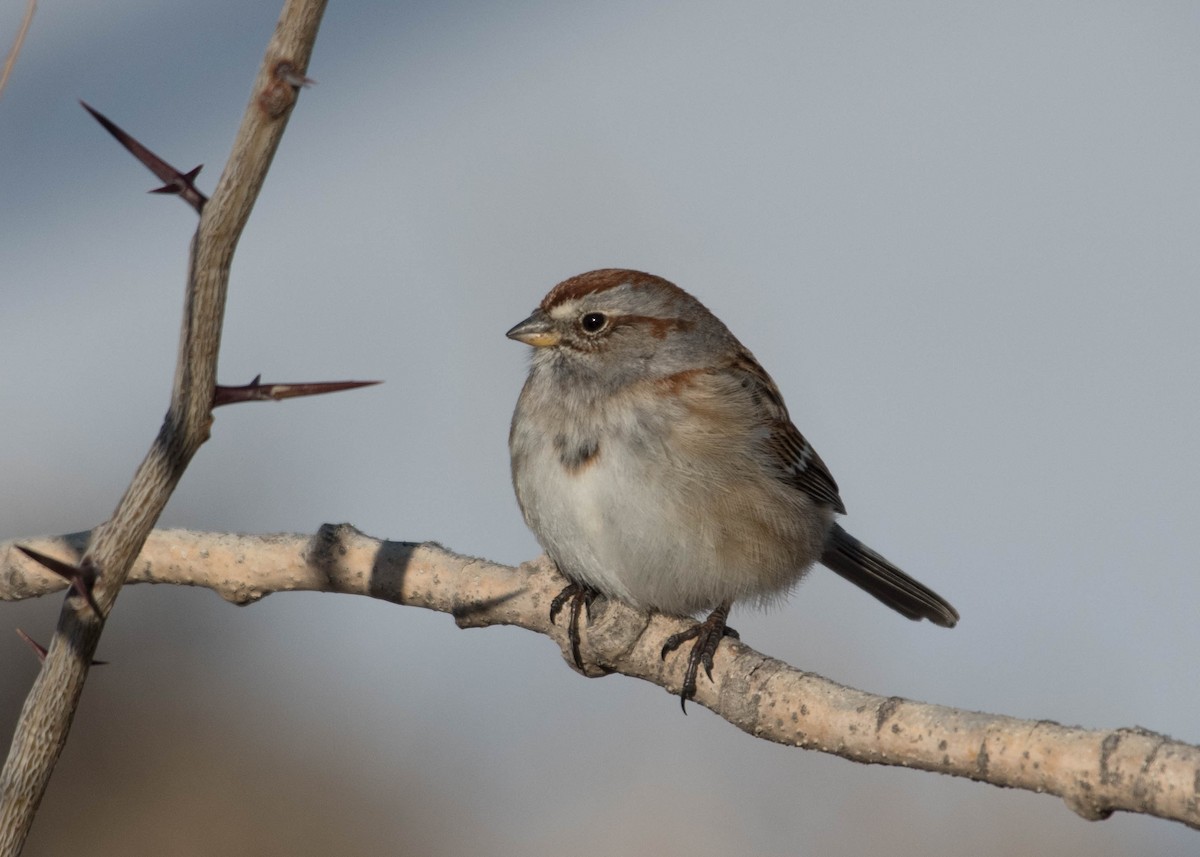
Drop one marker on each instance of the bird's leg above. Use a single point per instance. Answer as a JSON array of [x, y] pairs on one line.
[[581, 598], [708, 635]]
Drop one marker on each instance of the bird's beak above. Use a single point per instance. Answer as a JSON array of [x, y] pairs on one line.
[[536, 331]]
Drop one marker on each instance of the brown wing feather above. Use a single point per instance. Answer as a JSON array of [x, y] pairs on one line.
[[799, 464]]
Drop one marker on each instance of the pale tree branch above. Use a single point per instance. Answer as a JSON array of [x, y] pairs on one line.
[[1096, 772], [50, 707]]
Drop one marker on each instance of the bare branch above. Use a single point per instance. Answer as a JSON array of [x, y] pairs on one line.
[[15, 51], [50, 707], [1096, 772]]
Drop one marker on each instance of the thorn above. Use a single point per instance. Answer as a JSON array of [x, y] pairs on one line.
[[286, 72], [279, 94], [256, 391], [187, 180], [82, 577], [37, 647], [40, 650], [173, 180]]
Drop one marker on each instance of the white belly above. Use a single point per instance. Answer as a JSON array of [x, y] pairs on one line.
[[660, 532]]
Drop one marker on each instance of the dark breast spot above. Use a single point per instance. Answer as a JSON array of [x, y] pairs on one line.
[[576, 454]]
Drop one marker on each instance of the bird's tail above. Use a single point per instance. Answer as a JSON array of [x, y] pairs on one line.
[[871, 572]]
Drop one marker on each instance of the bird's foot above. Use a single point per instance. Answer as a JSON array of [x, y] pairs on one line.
[[708, 635], [580, 598]]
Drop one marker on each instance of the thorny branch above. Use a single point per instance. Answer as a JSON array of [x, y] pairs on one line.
[[100, 572]]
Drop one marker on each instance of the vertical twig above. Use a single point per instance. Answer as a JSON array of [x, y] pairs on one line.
[[46, 716], [15, 50]]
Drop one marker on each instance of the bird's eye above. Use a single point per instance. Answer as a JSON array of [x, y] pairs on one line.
[[593, 322]]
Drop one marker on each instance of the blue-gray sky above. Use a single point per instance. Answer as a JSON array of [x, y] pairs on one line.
[[962, 237]]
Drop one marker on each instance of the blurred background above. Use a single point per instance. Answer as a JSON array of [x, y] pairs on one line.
[[961, 237]]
